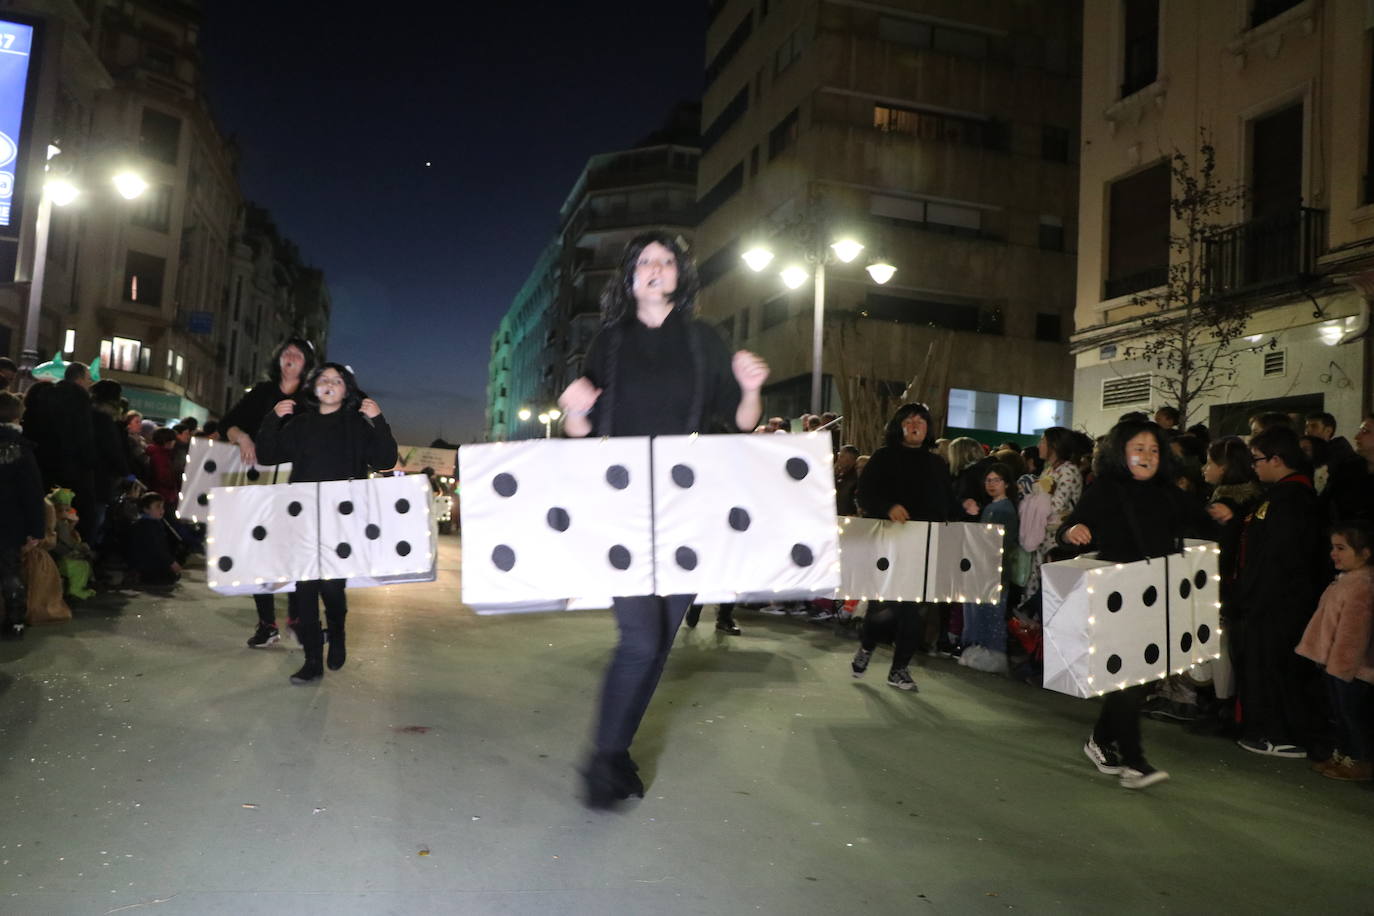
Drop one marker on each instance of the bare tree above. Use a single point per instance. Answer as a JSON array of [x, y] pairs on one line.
[[1191, 325]]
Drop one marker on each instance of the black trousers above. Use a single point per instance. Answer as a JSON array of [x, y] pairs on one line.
[[1119, 723], [12, 589], [307, 608], [1275, 685], [647, 625], [905, 620], [267, 607]]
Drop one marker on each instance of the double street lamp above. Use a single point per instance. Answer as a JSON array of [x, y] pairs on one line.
[[547, 418], [795, 273], [59, 190]]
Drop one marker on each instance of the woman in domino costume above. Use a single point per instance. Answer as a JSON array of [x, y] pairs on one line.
[[653, 369]]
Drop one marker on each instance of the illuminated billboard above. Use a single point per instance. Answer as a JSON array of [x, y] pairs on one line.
[[16, 53]]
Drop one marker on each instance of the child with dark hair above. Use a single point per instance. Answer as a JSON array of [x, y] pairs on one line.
[[148, 545], [985, 625], [1131, 512], [1340, 638], [160, 477], [339, 435]]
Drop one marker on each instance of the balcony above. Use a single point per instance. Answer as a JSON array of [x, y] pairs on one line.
[[1273, 251]]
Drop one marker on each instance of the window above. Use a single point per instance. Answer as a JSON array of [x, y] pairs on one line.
[[726, 119], [1276, 164], [776, 310], [753, 162], [949, 218], [1138, 232], [783, 136], [153, 208], [720, 263], [946, 128], [945, 38], [727, 331], [730, 48], [788, 52], [1264, 10], [724, 189], [238, 295], [1369, 138], [1051, 233], [159, 136], [744, 324], [1001, 412], [159, 59], [1141, 51], [1047, 327], [122, 353], [1054, 143], [69, 342], [143, 275], [968, 315]]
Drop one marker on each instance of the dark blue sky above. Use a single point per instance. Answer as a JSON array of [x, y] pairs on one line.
[[336, 116]]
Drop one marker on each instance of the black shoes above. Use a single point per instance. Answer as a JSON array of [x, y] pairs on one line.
[[728, 627], [309, 673], [693, 615], [338, 652], [265, 635], [12, 631], [609, 778]]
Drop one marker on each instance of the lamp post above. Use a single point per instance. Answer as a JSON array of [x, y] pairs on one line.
[[794, 275], [60, 191], [546, 417]]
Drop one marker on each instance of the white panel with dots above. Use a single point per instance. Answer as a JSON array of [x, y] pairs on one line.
[[1194, 606], [882, 560], [965, 562], [550, 524], [741, 517], [376, 529], [210, 464], [261, 539]]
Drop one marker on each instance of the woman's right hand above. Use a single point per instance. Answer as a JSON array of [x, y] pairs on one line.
[[578, 398], [1220, 512], [898, 513], [971, 507], [1079, 535], [284, 408], [247, 450]]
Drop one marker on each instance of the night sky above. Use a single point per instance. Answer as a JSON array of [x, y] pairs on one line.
[[336, 116]]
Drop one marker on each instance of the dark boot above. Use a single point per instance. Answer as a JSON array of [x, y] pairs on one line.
[[693, 615], [338, 650], [312, 641], [627, 775]]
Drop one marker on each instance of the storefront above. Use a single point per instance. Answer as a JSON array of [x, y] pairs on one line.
[[163, 406]]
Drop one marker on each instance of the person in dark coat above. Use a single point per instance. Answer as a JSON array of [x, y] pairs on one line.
[[904, 481], [1283, 568], [148, 545], [846, 480], [341, 435], [653, 369], [21, 514], [292, 362], [74, 463], [1131, 511], [111, 457]]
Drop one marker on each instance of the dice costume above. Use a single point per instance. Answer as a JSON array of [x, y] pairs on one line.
[[342, 445], [670, 380]]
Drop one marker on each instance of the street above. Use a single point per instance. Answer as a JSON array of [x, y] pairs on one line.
[[150, 762]]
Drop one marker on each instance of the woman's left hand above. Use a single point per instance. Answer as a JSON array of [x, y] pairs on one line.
[[750, 370], [369, 408], [971, 507]]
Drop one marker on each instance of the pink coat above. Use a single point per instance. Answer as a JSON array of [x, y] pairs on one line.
[[1340, 635]]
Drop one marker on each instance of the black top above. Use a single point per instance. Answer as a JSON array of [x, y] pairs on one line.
[[915, 477], [249, 412], [1131, 520], [21, 491], [343, 445], [148, 548], [653, 386], [1283, 556]]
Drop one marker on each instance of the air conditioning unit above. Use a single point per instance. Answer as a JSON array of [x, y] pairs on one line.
[[1125, 390]]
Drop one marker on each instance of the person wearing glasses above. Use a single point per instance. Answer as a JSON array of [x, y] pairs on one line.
[[1282, 571]]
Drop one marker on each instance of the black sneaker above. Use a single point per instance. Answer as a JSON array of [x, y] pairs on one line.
[[860, 663], [309, 673], [12, 631], [1104, 758], [901, 679], [265, 635]]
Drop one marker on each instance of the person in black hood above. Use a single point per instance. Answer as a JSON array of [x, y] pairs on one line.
[[292, 361], [341, 435], [21, 514], [904, 481], [652, 370], [1132, 511]]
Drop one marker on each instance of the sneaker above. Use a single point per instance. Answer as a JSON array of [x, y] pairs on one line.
[[265, 635], [12, 631], [1141, 776], [823, 616], [1351, 770], [901, 679], [309, 673], [1270, 749], [773, 610], [860, 663], [1335, 760], [1104, 758]]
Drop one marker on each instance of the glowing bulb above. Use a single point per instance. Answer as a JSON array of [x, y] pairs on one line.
[[757, 258], [881, 272], [129, 185], [846, 249], [794, 276], [61, 191]]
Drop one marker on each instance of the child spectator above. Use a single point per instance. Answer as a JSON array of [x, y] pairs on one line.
[[1338, 637], [72, 554], [149, 544], [42, 581], [985, 625], [161, 479]]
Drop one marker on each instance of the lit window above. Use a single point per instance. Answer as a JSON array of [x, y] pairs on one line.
[[69, 342]]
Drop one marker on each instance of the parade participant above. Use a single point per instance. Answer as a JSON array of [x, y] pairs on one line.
[[292, 361], [905, 481], [1340, 638], [1131, 512], [652, 370], [339, 435]]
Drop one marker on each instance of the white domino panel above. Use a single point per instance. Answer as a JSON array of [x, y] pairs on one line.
[[376, 528], [210, 464], [261, 538], [965, 562], [883, 560]]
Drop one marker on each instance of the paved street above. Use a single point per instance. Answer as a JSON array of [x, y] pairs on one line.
[[149, 762]]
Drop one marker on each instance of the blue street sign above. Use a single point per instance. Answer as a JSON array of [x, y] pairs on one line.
[[16, 51]]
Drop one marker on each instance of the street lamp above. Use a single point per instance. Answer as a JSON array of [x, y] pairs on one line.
[[61, 191], [845, 250], [523, 414], [547, 418]]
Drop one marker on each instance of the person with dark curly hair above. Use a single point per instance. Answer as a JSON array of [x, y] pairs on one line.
[[340, 435], [653, 370], [291, 362]]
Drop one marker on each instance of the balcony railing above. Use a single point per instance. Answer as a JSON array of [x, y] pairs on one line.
[[1274, 250]]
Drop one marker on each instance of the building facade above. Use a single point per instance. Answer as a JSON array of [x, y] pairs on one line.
[[943, 137], [540, 344], [1283, 90], [143, 284]]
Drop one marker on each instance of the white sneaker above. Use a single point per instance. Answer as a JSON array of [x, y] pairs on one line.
[[1141, 778], [773, 610]]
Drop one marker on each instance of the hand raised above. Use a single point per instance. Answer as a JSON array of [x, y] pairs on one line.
[[750, 370], [284, 408], [579, 397], [369, 408]]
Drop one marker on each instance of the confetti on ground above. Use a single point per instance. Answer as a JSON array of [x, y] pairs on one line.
[[411, 729], [247, 806], [424, 852]]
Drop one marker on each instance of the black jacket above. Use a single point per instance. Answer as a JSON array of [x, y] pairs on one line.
[[21, 491], [344, 445], [915, 477], [148, 546], [111, 450], [968, 484], [249, 412], [1283, 562], [1133, 520]]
